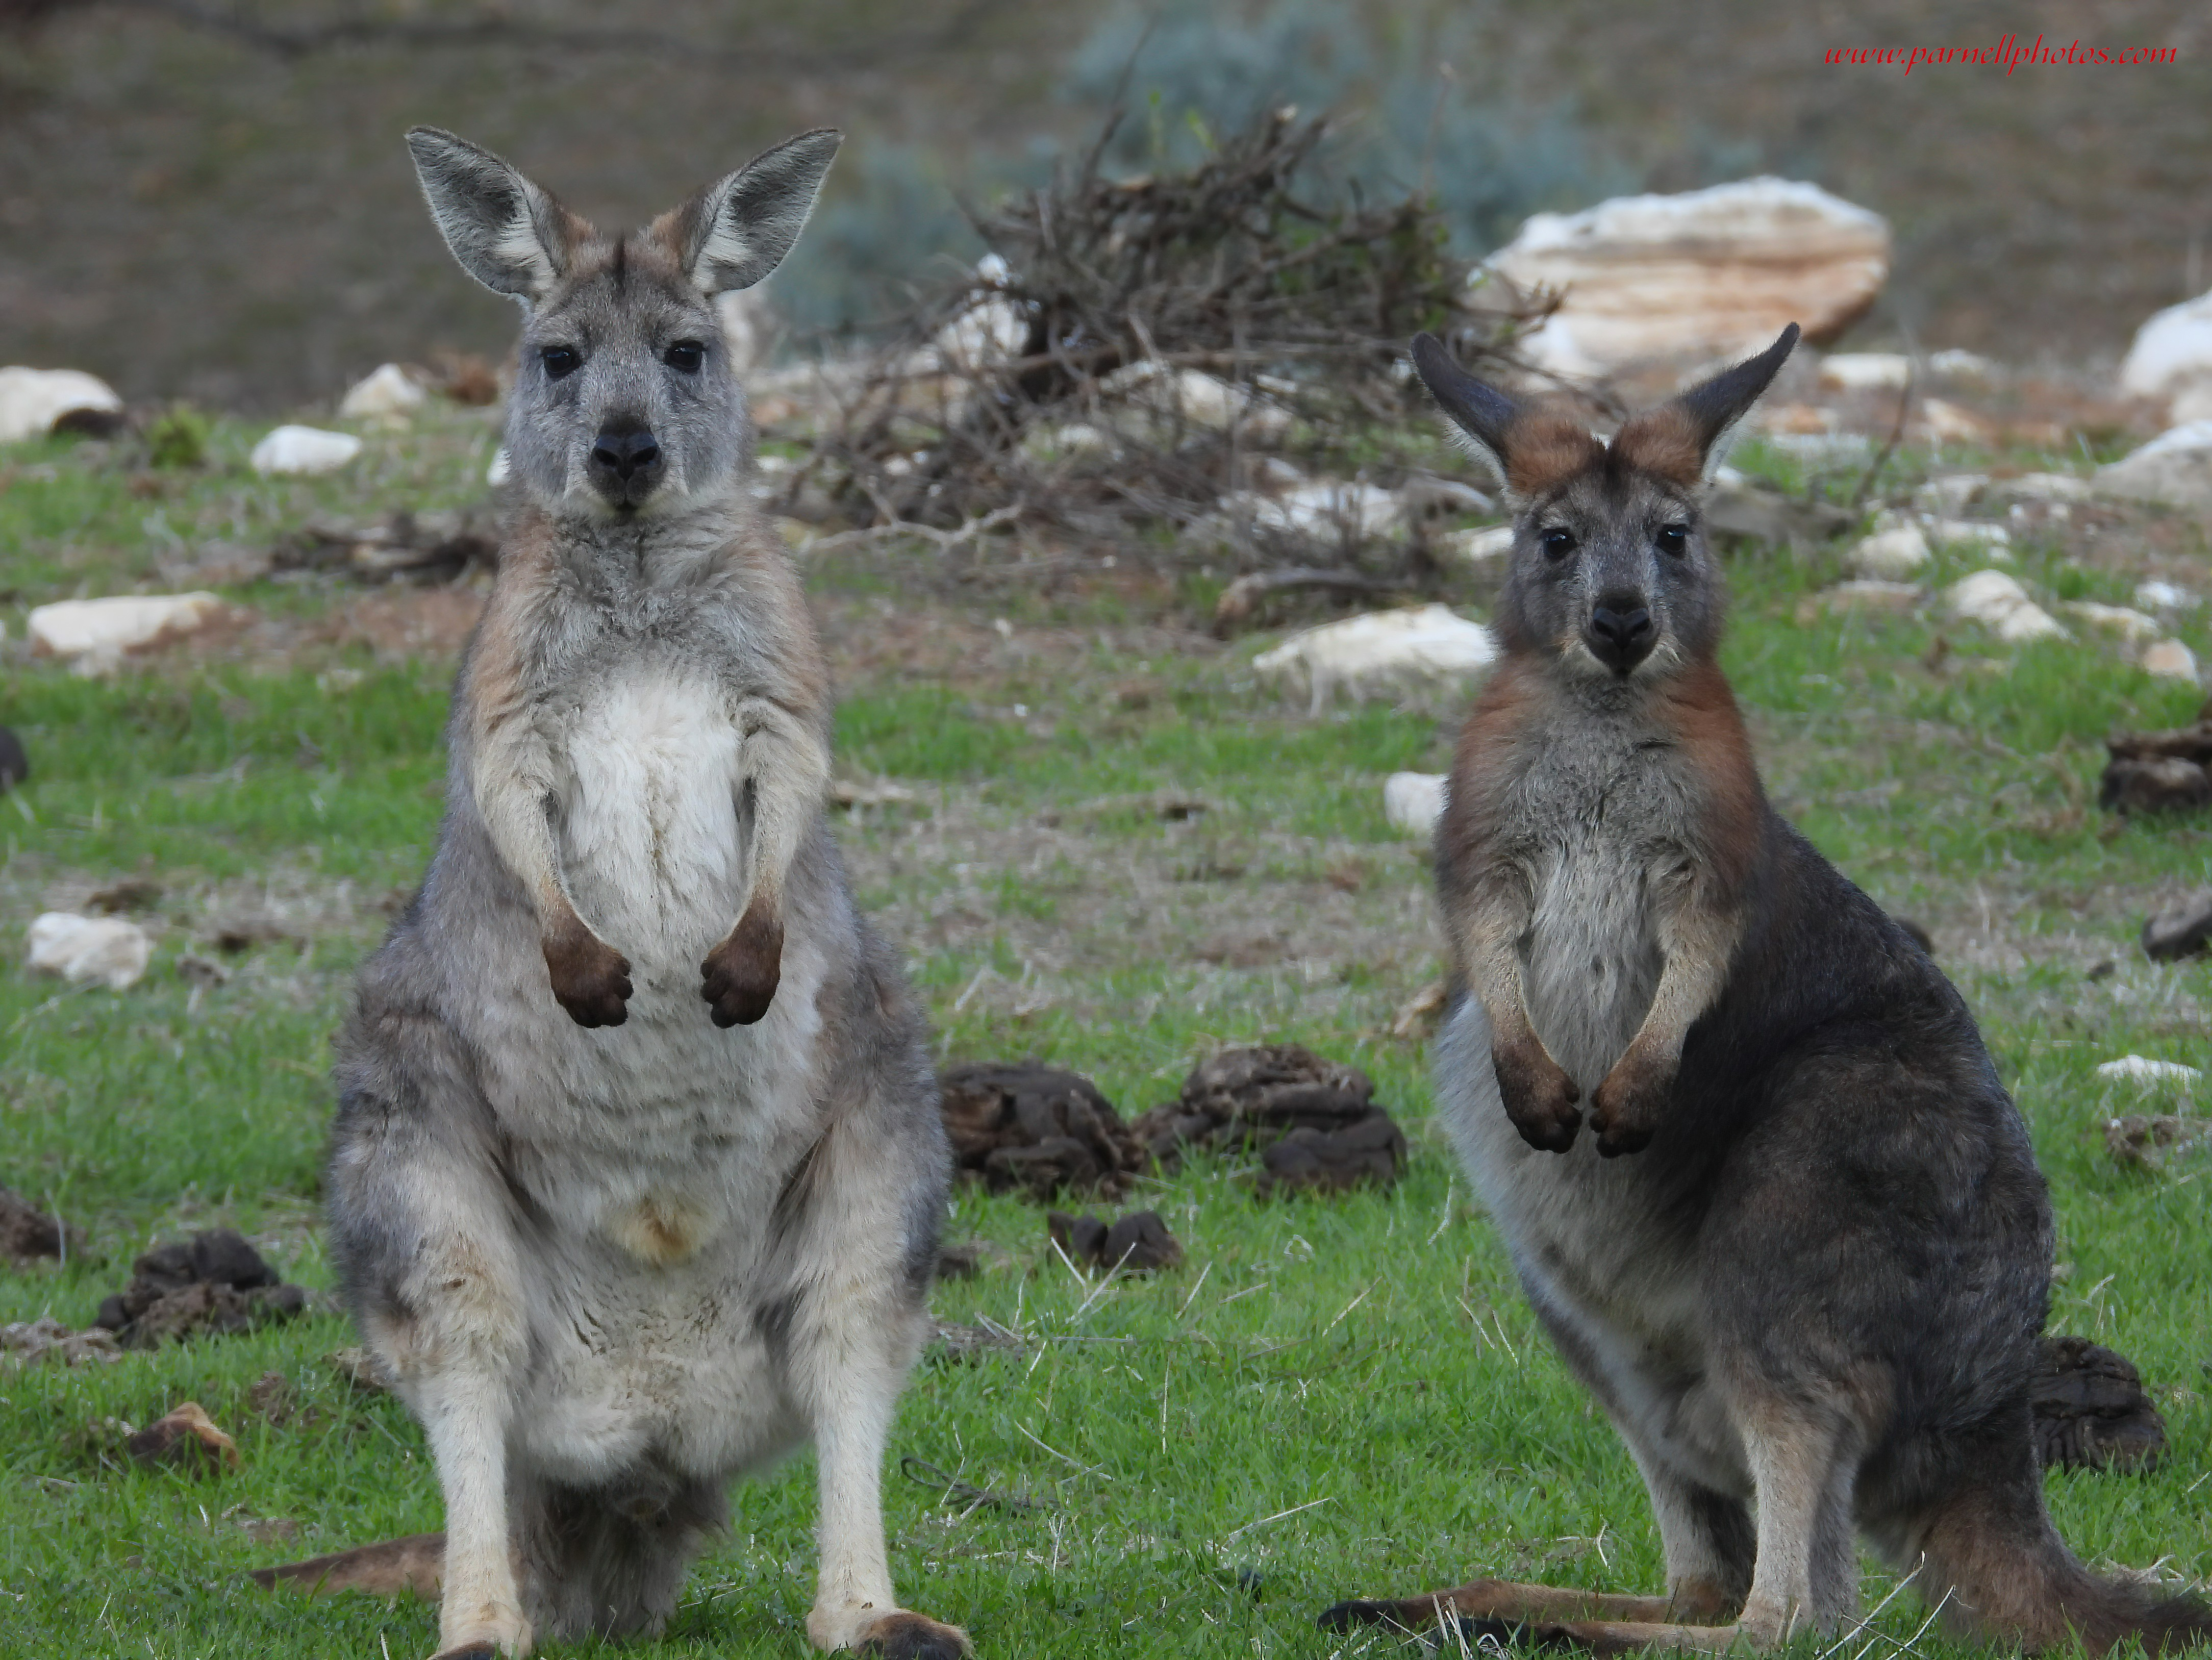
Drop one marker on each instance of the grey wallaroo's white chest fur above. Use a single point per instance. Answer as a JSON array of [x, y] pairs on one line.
[[638, 1166]]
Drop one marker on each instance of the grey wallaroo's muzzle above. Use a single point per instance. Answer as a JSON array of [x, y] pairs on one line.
[[626, 462]]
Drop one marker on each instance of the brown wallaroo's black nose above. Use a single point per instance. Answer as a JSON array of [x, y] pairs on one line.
[[1621, 634], [626, 453]]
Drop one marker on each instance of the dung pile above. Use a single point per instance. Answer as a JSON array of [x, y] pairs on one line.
[[2091, 1410], [1037, 1130], [1313, 1121], [212, 1284]]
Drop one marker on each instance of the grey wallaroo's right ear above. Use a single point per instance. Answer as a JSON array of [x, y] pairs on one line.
[[508, 234], [1483, 413]]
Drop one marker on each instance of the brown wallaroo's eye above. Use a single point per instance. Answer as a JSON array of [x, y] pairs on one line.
[[1557, 543], [1673, 538], [559, 361], [685, 354]]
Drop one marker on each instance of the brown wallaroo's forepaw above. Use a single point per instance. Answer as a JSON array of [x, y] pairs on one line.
[[1540, 1099], [591, 978], [742, 973], [905, 1636], [1625, 1109]]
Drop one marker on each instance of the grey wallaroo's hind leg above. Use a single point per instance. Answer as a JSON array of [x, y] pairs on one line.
[[854, 1328], [427, 1254]]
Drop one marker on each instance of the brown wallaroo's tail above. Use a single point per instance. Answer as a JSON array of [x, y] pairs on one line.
[[1989, 1547]]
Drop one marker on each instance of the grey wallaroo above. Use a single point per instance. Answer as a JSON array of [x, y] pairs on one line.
[[1802, 1256], [638, 1168]]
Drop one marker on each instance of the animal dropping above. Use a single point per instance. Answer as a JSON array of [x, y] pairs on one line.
[[1748, 1152], [637, 1170]]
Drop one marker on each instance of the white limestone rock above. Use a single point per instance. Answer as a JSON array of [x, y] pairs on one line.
[[1706, 274], [32, 400], [2170, 659], [1391, 654], [2172, 353], [1162, 398], [90, 948], [2131, 625], [1859, 371], [1890, 554], [2141, 1069], [96, 634], [2175, 468], [2155, 595], [1414, 801], [1993, 539], [304, 449], [1478, 547], [2001, 604], [386, 393]]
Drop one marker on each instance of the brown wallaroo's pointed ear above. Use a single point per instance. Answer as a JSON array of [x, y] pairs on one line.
[[1685, 440], [508, 234], [1483, 413], [737, 230]]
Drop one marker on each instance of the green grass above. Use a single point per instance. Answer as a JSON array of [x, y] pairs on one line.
[[1330, 1398]]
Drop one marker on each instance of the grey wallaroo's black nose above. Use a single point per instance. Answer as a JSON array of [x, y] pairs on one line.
[[1621, 634], [626, 452]]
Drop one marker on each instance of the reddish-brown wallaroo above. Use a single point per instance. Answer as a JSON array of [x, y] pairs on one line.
[[1802, 1256]]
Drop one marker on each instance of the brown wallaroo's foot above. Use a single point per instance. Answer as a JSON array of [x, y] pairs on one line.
[[590, 979], [742, 973], [469, 1651], [1540, 1099], [914, 1637], [1343, 1616]]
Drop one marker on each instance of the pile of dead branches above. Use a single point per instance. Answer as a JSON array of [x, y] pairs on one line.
[[1218, 350]]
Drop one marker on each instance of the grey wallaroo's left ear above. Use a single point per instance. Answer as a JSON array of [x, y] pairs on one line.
[[505, 232], [737, 230]]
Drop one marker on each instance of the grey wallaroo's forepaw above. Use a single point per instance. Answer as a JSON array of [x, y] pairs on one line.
[[590, 979], [741, 976]]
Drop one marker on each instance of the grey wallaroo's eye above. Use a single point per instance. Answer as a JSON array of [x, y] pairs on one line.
[[1673, 538], [559, 361], [1558, 542], [685, 354]]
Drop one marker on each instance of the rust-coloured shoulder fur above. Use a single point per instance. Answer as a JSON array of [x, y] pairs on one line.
[[1701, 709], [1501, 721]]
